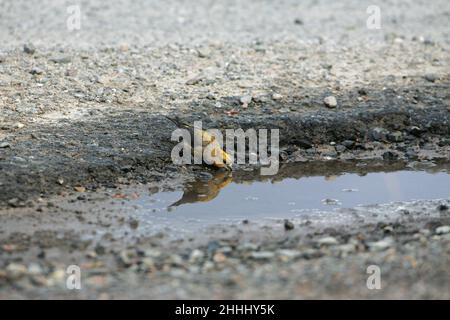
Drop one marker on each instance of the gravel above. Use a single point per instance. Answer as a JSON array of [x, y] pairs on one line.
[[90, 105]]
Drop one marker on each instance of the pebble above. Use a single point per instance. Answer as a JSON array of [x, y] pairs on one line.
[[330, 102], [125, 258], [347, 248], [245, 100], [262, 255], [442, 230], [63, 59], [381, 245], [194, 80], [289, 254], [219, 257], [203, 53], [34, 269], [331, 202], [328, 241], [5, 145], [133, 223], [29, 48], [148, 263], [288, 225], [16, 271], [277, 96], [395, 136], [431, 77], [379, 134], [348, 143], [415, 131], [196, 255], [79, 189], [36, 70]]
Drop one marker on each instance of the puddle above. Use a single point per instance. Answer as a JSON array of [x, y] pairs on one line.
[[234, 199]]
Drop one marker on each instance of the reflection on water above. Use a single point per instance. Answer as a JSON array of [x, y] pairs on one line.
[[225, 197], [204, 191]]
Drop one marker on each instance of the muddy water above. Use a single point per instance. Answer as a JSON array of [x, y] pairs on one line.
[[220, 199]]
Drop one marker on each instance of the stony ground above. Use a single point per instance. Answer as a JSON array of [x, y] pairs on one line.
[[82, 114]]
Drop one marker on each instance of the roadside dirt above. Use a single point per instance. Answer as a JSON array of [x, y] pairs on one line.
[[82, 115]]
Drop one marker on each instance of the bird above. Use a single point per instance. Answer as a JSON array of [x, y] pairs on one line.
[[204, 191], [218, 158]]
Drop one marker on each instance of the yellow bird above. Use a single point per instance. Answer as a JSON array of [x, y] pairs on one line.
[[217, 157]]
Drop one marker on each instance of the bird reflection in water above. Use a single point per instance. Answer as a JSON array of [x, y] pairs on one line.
[[202, 190]]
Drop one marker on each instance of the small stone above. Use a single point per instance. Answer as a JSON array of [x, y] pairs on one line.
[[395, 136], [16, 271], [331, 202], [288, 225], [196, 256], [14, 202], [60, 181], [71, 73], [248, 246], [347, 248], [63, 59], [328, 241], [298, 21], [5, 145], [245, 100], [378, 134], [277, 96], [203, 53], [134, 224], [9, 247], [431, 77], [348, 143], [57, 276], [262, 255], [415, 131], [442, 207], [176, 260], [36, 71], [79, 189], [29, 48], [442, 230], [194, 80], [91, 254], [219, 257], [34, 269], [362, 91], [99, 249], [287, 254], [125, 257], [381, 245], [124, 47], [330, 102]]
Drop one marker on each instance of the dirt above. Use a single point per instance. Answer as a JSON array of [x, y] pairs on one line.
[[82, 116]]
